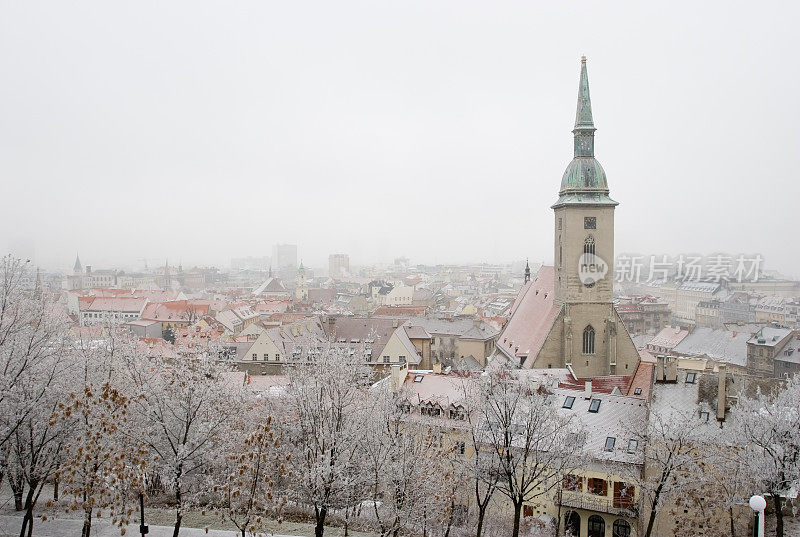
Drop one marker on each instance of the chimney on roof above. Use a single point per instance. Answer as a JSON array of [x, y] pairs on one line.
[[722, 396], [437, 368], [398, 377], [394, 323], [331, 326], [587, 389]]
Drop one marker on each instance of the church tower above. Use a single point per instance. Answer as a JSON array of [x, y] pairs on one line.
[[301, 290], [565, 315], [584, 252]]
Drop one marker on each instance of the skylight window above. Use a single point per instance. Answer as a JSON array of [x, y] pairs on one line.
[[419, 378], [594, 406], [633, 445], [637, 391], [568, 402], [691, 378], [610, 441], [704, 415]]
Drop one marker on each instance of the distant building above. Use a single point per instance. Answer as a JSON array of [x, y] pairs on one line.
[[773, 352], [284, 256], [338, 265], [301, 289]]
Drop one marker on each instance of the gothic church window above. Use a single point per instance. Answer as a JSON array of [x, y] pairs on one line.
[[588, 246], [588, 340]]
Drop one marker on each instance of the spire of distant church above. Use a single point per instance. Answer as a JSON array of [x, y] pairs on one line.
[[527, 271], [77, 268]]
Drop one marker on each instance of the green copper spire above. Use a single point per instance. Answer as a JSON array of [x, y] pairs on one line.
[[584, 181], [583, 116]]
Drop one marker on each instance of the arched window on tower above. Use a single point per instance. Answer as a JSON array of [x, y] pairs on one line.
[[588, 340], [588, 248]]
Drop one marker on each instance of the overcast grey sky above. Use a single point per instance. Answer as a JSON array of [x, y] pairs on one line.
[[437, 130]]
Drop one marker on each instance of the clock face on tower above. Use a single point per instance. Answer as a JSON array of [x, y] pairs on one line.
[[589, 222]]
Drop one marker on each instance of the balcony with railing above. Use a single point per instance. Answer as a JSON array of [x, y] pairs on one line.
[[622, 506]]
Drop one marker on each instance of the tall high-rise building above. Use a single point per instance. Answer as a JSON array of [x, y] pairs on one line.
[[564, 315], [338, 265], [284, 256]]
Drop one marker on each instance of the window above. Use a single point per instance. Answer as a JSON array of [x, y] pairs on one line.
[[637, 391], [594, 406], [621, 528], [588, 340], [588, 247], [568, 402], [610, 441], [572, 482], [266, 356], [691, 378], [255, 356], [596, 526], [457, 413], [704, 415], [417, 378], [633, 444], [385, 359], [277, 356], [597, 486]]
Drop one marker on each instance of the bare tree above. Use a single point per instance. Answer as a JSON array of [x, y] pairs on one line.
[[187, 409], [322, 427], [769, 426], [31, 346], [528, 437], [671, 457], [247, 491]]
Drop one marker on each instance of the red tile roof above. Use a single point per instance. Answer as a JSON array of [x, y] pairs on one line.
[[532, 316]]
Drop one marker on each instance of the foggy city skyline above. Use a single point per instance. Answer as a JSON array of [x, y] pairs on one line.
[[198, 132]]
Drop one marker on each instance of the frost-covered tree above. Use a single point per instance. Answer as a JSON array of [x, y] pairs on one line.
[[36, 444], [322, 427], [188, 410], [102, 462], [246, 492], [409, 486], [672, 452], [528, 437], [768, 426], [32, 345]]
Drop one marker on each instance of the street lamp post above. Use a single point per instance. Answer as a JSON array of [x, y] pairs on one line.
[[758, 504]]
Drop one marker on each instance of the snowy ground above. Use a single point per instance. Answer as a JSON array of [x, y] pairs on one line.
[[61, 524]]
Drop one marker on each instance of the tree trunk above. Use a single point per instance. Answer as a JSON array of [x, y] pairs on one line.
[[55, 490], [178, 499], [319, 528], [481, 516], [27, 520], [517, 517], [87, 523], [17, 487], [776, 498], [733, 526]]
